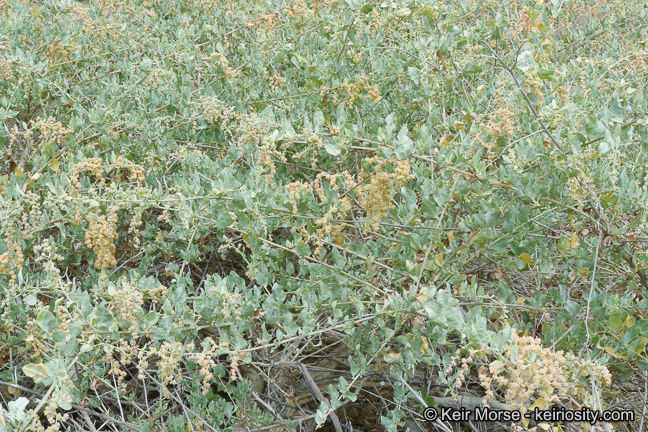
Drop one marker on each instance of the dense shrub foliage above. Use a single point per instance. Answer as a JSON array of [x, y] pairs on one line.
[[282, 215]]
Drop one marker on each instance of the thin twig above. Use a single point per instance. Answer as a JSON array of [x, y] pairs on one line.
[[318, 393]]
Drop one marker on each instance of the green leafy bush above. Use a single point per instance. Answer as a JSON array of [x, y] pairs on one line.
[[266, 215]]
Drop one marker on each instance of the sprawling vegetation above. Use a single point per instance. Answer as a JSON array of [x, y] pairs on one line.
[[290, 214]]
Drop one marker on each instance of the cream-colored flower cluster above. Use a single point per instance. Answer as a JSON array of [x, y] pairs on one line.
[[376, 197], [6, 69], [47, 256], [215, 112], [127, 351], [275, 81], [266, 152], [55, 418], [526, 24], [530, 371], [18, 136], [205, 361], [580, 188], [251, 130], [338, 209], [502, 123], [223, 62], [101, 236], [352, 91], [156, 77], [11, 260], [33, 338], [269, 22], [533, 84], [296, 190], [58, 53], [127, 303], [229, 301], [169, 364], [32, 214], [96, 166]]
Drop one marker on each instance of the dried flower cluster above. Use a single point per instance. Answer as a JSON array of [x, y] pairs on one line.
[[352, 91], [126, 351], [224, 64], [57, 52], [297, 190], [11, 260], [101, 236], [580, 187], [127, 303], [47, 256], [156, 77], [376, 197], [169, 364], [533, 84], [205, 361], [526, 24], [6, 69], [275, 81], [530, 371], [96, 166], [502, 123]]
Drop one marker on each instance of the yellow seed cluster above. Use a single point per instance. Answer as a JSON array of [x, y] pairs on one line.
[[101, 236], [265, 159], [47, 256], [127, 303], [268, 25], [537, 370], [57, 52], [223, 62], [251, 129], [169, 363], [234, 366], [296, 190], [228, 301], [376, 197], [32, 215], [205, 360], [502, 123], [352, 91], [127, 351], [6, 69], [580, 187], [135, 225], [33, 338], [67, 314], [214, 111], [525, 24], [55, 418], [533, 84], [51, 131], [97, 168], [156, 77], [17, 136], [274, 81], [11, 260]]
